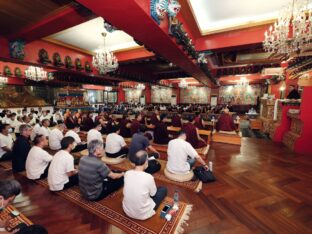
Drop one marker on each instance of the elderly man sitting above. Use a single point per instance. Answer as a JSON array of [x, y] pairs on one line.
[[225, 122]]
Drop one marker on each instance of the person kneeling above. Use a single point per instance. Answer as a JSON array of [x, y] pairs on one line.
[[62, 173], [115, 144], [141, 196], [96, 180]]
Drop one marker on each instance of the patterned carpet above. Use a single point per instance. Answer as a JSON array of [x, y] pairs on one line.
[[14, 220]]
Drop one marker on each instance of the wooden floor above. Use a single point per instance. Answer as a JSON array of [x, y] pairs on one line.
[[262, 188]]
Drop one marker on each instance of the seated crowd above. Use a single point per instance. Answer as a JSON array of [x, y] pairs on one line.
[[46, 152]]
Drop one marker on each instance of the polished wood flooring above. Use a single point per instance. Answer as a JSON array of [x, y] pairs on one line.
[[261, 188]]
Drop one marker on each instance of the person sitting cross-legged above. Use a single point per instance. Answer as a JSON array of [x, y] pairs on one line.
[[161, 134], [115, 144], [62, 173], [96, 180], [182, 156], [38, 160], [6, 143], [141, 196], [225, 122], [95, 133], [74, 134], [55, 137]]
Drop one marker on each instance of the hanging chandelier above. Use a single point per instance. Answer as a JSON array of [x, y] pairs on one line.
[[292, 32], [36, 74], [140, 86], [243, 82], [104, 60], [183, 84]]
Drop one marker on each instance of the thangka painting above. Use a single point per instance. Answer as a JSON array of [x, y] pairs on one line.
[[239, 95], [161, 95], [195, 95], [133, 95]]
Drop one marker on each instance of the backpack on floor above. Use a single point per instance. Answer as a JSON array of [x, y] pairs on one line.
[[203, 175]]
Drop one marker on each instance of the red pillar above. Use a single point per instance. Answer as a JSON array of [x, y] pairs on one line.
[[121, 95], [148, 94]]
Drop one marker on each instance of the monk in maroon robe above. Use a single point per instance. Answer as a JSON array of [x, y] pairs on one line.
[[225, 122], [135, 124], [161, 135], [124, 125], [155, 118], [192, 135], [176, 120], [198, 121]]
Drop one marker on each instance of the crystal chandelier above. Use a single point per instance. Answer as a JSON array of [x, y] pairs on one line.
[[243, 82], [292, 32], [36, 74], [183, 84], [140, 86], [104, 60]]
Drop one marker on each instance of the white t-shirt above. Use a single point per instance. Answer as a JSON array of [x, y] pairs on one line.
[[35, 131], [5, 141], [114, 143], [36, 162], [62, 163], [94, 134], [44, 131], [178, 151], [55, 139], [139, 187], [74, 135]]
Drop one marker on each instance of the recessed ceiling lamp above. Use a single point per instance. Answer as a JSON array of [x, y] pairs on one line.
[[292, 32], [104, 60]]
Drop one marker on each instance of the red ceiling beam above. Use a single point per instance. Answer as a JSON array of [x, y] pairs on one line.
[[137, 22], [135, 54], [63, 19], [248, 36]]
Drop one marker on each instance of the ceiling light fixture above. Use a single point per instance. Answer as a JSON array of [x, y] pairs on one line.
[[183, 84], [140, 86], [104, 60], [292, 32]]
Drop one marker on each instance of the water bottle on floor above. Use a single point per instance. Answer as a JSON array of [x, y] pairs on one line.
[[176, 200]]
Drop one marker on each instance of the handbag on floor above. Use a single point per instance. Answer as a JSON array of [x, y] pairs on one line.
[[203, 175]]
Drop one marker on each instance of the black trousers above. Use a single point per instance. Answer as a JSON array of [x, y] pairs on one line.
[[73, 180], [109, 186], [6, 157], [45, 173], [123, 151], [79, 148], [159, 196]]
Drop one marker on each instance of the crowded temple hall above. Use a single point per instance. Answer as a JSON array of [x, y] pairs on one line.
[[155, 116]]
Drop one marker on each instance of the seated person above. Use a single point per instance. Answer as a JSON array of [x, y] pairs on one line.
[[96, 180], [21, 149], [44, 130], [9, 189], [141, 196], [74, 134], [135, 124], [62, 174], [35, 130], [225, 122], [95, 133], [56, 135], [38, 160], [182, 156], [141, 142], [115, 144], [161, 135], [192, 135], [125, 125], [6, 143], [176, 120], [155, 118], [198, 121]]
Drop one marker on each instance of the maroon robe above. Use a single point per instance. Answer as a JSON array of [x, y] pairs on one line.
[[225, 123], [135, 125], [161, 135], [191, 136], [176, 121], [154, 119], [143, 120], [124, 131], [198, 122]]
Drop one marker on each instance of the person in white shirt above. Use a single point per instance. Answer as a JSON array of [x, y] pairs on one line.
[[44, 115], [115, 144], [6, 143], [55, 137], [57, 117], [38, 160], [18, 123], [95, 133], [74, 134], [182, 156], [6, 119], [44, 130], [62, 173], [141, 196], [35, 131]]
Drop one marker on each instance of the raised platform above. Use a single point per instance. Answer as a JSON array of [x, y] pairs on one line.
[[233, 139]]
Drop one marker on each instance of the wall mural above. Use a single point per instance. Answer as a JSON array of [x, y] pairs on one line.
[[240, 95], [161, 94], [195, 94], [133, 95]]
